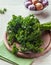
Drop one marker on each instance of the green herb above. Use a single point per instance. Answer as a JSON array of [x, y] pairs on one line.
[[24, 49], [2, 11], [27, 32], [14, 49], [11, 38], [5, 9], [46, 26]]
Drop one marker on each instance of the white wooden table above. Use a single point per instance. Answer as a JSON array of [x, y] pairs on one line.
[[17, 7]]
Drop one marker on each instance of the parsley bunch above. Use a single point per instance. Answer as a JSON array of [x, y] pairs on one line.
[[27, 32]]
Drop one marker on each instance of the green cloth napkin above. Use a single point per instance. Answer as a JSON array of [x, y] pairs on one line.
[[9, 57]]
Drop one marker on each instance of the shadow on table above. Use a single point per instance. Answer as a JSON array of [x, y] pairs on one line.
[[44, 15]]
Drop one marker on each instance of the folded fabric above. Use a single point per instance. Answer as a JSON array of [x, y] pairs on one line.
[[9, 57]]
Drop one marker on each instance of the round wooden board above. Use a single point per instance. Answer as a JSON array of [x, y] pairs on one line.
[[46, 45]]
